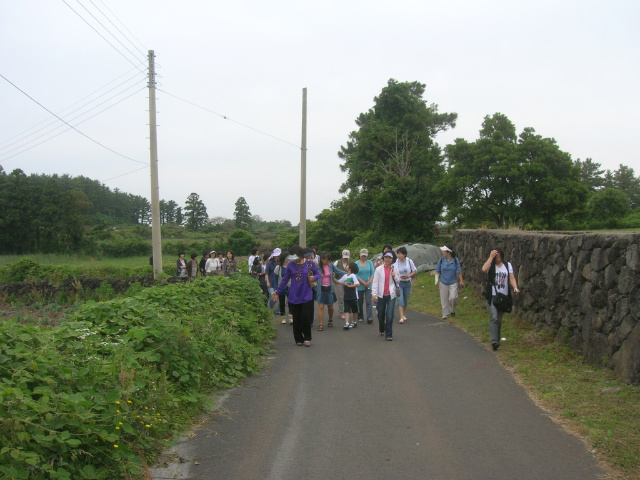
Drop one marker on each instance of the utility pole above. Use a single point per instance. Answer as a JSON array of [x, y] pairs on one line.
[[303, 173], [156, 237]]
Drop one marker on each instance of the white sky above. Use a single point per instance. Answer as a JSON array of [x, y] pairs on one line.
[[568, 68]]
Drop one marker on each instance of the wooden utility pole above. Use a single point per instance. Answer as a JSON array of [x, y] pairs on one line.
[[303, 173], [156, 237]]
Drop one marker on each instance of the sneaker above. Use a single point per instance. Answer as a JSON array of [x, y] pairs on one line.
[[370, 320], [401, 320], [388, 339], [283, 321], [299, 344], [346, 326], [290, 322], [353, 325], [361, 320], [307, 343], [290, 317], [495, 346]]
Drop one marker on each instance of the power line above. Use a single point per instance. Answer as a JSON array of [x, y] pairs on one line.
[[26, 133], [103, 37], [67, 123], [231, 120], [123, 26], [125, 174], [69, 119]]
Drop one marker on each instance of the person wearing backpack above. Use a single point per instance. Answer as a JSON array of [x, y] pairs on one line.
[[449, 277], [500, 275]]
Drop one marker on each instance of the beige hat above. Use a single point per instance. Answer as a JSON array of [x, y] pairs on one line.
[[364, 252]]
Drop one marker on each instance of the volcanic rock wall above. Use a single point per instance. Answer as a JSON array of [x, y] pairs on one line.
[[582, 287]]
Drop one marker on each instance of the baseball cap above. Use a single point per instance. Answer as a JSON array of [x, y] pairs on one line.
[[346, 254], [364, 252]]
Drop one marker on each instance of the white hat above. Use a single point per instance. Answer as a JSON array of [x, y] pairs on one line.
[[446, 249], [276, 252], [346, 254], [364, 252], [212, 251]]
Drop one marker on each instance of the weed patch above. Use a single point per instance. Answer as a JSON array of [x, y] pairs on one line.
[[100, 393]]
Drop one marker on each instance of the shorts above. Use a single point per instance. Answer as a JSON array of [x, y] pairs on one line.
[[350, 306]]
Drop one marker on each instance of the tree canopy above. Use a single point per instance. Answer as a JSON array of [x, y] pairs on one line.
[[393, 162], [509, 180]]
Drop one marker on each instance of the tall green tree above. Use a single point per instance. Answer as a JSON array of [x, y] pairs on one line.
[[195, 213], [393, 163], [505, 179], [591, 175], [242, 215], [624, 179]]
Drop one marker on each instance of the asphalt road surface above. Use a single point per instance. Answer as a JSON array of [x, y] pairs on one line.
[[431, 404]]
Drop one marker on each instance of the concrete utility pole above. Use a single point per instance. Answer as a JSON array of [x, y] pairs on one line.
[[303, 173], [156, 237]]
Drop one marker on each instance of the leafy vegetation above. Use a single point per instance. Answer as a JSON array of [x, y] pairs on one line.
[[590, 403], [98, 394]]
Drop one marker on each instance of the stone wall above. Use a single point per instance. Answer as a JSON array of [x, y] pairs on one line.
[[584, 288]]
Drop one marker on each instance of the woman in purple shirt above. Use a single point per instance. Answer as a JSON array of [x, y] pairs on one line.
[[300, 271]]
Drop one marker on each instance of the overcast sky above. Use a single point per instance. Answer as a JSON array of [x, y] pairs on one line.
[[568, 68]]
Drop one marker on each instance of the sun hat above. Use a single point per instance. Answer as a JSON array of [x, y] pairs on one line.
[[388, 254]]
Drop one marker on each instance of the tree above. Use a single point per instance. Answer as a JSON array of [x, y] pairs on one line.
[[590, 174], [241, 241], [624, 179], [505, 179], [242, 215], [195, 213], [393, 163], [609, 204]]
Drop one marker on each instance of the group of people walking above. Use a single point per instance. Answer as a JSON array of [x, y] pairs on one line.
[[211, 264], [299, 278]]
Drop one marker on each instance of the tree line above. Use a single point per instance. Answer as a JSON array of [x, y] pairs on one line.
[[401, 186]]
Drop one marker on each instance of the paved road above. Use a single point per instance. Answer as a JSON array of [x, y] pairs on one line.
[[431, 404]]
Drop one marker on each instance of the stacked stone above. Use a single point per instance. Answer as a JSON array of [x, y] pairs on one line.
[[581, 287]]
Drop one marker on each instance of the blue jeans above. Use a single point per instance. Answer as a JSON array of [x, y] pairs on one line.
[[405, 290], [364, 297], [495, 322], [386, 308]]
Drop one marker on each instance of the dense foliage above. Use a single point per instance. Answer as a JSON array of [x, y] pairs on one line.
[[393, 163], [92, 397]]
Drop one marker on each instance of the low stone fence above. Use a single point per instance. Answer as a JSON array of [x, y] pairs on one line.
[[582, 287]]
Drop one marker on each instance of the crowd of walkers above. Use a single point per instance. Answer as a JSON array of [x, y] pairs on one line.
[[298, 279]]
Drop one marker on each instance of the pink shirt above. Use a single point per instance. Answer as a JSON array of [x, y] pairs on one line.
[[387, 278], [326, 276]]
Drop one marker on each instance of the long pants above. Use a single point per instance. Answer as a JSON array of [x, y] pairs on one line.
[[302, 318], [339, 305], [364, 297], [283, 301], [386, 307], [495, 323], [448, 298]]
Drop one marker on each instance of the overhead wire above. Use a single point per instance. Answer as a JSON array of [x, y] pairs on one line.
[[67, 123], [24, 138], [25, 133], [105, 39], [225, 117], [143, 53]]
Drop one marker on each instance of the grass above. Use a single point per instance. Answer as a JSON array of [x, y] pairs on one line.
[[587, 401]]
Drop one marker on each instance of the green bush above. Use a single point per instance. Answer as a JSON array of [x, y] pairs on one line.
[[124, 247], [90, 398]]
